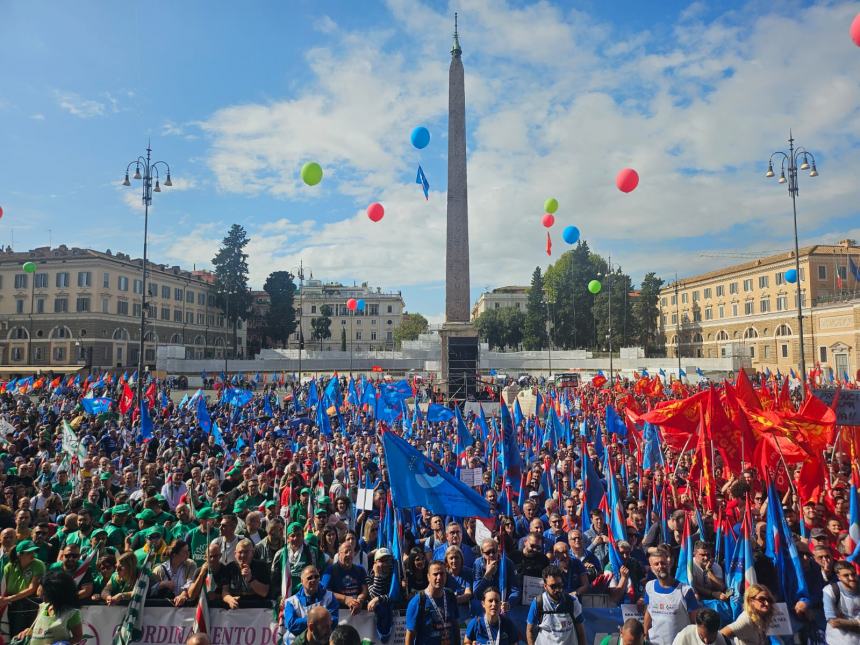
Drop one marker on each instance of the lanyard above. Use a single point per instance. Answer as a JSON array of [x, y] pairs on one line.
[[490, 639], [444, 613]]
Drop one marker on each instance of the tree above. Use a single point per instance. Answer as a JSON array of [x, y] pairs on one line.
[[321, 325], [411, 325], [231, 277], [646, 312], [534, 332], [342, 339], [491, 328], [615, 285], [514, 321], [281, 317], [567, 287]]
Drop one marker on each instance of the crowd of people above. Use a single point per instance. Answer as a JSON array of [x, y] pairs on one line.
[[258, 507]]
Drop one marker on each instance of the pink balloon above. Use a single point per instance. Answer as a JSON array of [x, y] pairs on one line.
[[548, 219], [1, 211], [627, 180], [855, 30], [351, 304], [375, 212]]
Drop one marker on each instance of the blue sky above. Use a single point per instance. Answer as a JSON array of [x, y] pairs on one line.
[[236, 97]]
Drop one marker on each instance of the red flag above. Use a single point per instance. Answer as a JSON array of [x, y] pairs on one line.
[[598, 380], [548, 244], [746, 392], [126, 400], [656, 389], [677, 419], [728, 438], [149, 395]]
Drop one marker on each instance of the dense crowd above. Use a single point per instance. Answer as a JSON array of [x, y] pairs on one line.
[[262, 505]]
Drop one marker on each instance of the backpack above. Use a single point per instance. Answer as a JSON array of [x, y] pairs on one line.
[[834, 586], [565, 607]]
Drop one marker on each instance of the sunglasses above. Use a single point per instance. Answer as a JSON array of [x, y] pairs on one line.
[[763, 600]]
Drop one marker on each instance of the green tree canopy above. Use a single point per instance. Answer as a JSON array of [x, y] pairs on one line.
[[281, 317], [411, 325]]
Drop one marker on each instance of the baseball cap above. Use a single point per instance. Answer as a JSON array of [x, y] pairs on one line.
[[26, 546], [382, 552]]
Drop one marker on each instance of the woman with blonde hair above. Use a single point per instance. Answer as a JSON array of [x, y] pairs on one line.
[[751, 626]]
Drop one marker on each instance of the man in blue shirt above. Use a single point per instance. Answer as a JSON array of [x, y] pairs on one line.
[[487, 574], [432, 617]]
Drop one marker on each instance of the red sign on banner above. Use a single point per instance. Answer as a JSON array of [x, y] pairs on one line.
[[376, 368]]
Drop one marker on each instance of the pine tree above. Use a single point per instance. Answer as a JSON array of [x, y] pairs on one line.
[[231, 277], [646, 312], [281, 317], [321, 325], [534, 336]]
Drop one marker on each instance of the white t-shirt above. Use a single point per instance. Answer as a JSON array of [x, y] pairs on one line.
[[848, 607], [690, 636], [669, 610]]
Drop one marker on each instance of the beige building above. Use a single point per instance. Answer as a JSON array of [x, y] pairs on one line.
[[750, 310], [501, 298], [369, 330], [82, 307]]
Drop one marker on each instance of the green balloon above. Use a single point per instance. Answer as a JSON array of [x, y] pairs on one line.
[[550, 205], [312, 173], [594, 286], [29, 267]]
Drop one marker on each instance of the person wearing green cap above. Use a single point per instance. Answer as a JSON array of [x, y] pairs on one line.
[[155, 545], [299, 509], [22, 577], [299, 555], [146, 523], [116, 527], [200, 536]]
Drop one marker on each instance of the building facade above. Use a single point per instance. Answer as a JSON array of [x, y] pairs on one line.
[[369, 330], [501, 298], [750, 310], [82, 308]]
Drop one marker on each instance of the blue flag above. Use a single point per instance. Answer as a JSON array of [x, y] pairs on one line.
[[421, 482], [464, 437], [95, 406], [267, 407], [323, 422], [203, 418], [145, 423], [512, 462], [651, 453], [437, 412], [614, 423], [422, 179], [236, 396]]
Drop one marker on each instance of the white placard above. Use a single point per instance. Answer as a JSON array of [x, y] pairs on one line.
[[631, 611], [472, 476], [364, 499], [781, 623], [532, 587], [481, 532]]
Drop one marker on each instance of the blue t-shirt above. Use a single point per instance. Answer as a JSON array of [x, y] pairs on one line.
[[345, 581], [429, 625], [477, 632]]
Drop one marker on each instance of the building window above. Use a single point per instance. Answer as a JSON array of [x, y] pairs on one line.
[[41, 280], [707, 293], [822, 354], [210, 320], [495, 305], [822, 272], [781, 303], [165, 293], [390, 309], [684, 298], [358, 335], [766, 351], [674, 299], [695, 296], [177, 315], [674, 319], [697, 315], [17, 354], [106, 280], [62, 280], [201, 318], [373, 322], [138, 287], [122, 283], [105, 305], [61, 305], [748, 285], [709, 313], [40, 305], [389, 335], [373, 310], [764, 305], [373, 335], [720, 291], [313, 309], [762, 282], [20, 280], [136, 309], [749, 308], [59, 353], [663, 301], [189, 317], [84, 279], [783, 330], [721, 311], [82, 304], [733, 288], [177, 294], [19, 306], [784, 351], [802, 301], [752, 351], [734, 310], [165, 313], [779, 277], [189, 297], [122, 307], [152, 290], [201, 299]]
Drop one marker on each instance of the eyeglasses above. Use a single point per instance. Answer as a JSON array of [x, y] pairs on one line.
[[576, 538], [490, 552], [763, 600], [555, 587]]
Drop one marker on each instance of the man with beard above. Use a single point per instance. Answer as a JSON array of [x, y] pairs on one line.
[[70, 563], [669, 605]]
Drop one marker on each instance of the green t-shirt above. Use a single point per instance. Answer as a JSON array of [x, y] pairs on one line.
[[49, 628], [63, 490], [181, 529], [18, 579], [199, 542], [116, 536]]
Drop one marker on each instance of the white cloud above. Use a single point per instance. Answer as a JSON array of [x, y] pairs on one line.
[[78, 106], [558, 103], [38, 116]]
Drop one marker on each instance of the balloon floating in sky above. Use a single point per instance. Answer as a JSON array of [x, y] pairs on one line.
[[570, 234], [627, 180], [29, 267], [420, 137], [855, 30], [594, 286], [1, 211], [548, 220], [312, 173], [351, 304], [550, 205], [359, 305], [791, 276], [375, 212]]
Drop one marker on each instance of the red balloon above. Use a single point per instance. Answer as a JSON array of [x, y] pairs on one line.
[[855, 30], [351, 304], [548, 219], [1, 211], [375, 212], [627, 180]]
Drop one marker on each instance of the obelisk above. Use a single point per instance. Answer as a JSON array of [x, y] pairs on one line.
[[459, 338]]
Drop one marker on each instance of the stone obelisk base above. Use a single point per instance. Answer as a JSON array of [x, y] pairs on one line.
[[459, 360]]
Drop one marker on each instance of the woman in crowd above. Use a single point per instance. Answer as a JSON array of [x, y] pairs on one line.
[[751, 626], [58, 618]]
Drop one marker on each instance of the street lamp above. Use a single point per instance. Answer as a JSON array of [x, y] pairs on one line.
[[608, 276], [788, 162], [149, 168], [548, 302]]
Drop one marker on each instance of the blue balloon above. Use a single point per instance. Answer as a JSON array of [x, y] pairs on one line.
[[570, 234], [420, 137], [791, 276], [359, 305]]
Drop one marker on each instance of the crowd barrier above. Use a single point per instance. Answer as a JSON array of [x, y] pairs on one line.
[[172, 626]]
